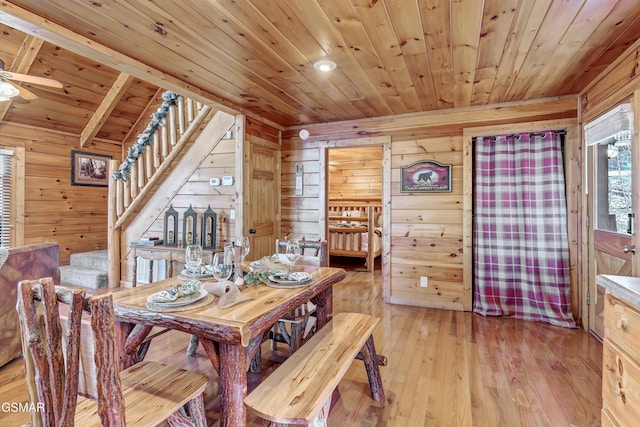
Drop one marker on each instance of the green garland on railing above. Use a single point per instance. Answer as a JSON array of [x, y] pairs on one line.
[[145, 138]]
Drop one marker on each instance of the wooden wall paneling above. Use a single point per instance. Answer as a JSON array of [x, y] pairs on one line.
[[300, 214], [574, 176], [419, 210], [197, 191], [448, 122], [614, 85], [355, 173], [53, 209], [241, 151], [386, 220], [19, 195]]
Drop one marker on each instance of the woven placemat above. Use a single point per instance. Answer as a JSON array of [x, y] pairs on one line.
[[289, 286], [209, 299]]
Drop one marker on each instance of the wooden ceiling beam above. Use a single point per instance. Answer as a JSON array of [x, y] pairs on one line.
[[22, 64], [28, 22], [105, 108]]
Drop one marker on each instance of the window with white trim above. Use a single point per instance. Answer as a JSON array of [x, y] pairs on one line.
[[6, 178]]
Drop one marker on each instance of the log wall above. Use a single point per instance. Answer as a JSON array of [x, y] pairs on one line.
[[355, 173], [426, 230], [55, 211]]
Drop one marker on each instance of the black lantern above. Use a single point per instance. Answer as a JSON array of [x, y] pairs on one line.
[[171, 227], [189, 227], [208, 234]]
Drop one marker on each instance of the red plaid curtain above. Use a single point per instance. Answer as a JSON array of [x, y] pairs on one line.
[[521, 246]]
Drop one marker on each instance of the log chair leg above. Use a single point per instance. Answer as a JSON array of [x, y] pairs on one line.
[[284, 333], [272, 336], [297, 335], [195, 416], [197, 411], [142, 350], [373, 372], [254, 353], [255, 366], [193, 345]]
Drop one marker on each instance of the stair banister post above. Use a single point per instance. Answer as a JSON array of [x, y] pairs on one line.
[[173, 127], [181, 116], [113, 234]]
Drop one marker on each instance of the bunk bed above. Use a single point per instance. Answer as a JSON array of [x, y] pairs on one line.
[[355, 230]]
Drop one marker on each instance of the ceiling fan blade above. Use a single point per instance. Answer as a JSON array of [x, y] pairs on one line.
[[32, 79], [24, 93]]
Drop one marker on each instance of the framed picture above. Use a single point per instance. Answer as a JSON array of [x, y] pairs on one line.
[[89, 169], [425, 177]]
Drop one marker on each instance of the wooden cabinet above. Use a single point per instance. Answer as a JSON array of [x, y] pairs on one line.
[[621, 363]]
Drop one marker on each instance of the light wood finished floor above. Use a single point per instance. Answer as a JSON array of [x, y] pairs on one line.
[[445, 369]]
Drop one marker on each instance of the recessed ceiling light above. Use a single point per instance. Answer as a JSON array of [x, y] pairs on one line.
[[325, 65]]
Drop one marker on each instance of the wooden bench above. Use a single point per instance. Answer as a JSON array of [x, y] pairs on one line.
[[300, 390]]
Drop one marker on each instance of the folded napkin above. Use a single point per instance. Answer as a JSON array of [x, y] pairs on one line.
[[273, 262], [202, 270], [218, 288], [228, 291], [282, 258], [233, 297], [175, 292]]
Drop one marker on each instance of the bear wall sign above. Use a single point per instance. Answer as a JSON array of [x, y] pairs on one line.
[[425, 177]]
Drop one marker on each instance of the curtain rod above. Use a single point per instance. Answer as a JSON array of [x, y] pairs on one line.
[[517, 135]]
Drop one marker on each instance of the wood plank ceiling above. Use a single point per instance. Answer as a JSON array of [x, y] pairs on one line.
[[256, 56]]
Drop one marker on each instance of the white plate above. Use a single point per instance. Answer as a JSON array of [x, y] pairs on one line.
[[300, 277], [189, 299]]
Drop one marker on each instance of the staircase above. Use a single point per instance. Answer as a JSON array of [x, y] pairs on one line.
[[87, 269]]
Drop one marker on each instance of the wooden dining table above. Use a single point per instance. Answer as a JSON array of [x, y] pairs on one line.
[[231, 336]]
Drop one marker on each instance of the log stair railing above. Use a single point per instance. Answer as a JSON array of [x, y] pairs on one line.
[[180, 126]]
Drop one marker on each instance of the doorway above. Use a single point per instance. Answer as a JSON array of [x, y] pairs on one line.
[[354, 185], [611, 207]]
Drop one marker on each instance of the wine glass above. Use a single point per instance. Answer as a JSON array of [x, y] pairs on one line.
[[221, 267], [246, 246], [293, 252], [193, 259]]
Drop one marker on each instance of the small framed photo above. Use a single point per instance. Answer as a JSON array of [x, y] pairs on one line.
[[89, 169], [426, 177]]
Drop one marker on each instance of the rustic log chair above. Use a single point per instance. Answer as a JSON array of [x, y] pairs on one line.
[[302, 320], [147, 393]]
